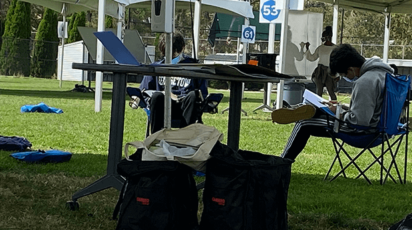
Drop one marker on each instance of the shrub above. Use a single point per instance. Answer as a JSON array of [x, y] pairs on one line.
[[15, 51], [43, 62]]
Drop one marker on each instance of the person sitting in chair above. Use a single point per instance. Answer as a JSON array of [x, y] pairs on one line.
[[187, 91], [365, 107]]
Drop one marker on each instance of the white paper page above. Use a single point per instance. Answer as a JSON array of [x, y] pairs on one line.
[[314, 99]]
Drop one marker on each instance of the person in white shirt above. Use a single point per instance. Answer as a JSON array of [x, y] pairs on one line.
[[320, 75]]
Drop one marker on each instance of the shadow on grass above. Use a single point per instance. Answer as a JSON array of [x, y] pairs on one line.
[[312, 202], [252, 100], [80, 165], [54, 94], [347, 201]]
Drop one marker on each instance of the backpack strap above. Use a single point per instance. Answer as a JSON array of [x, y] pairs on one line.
[[119, 202]]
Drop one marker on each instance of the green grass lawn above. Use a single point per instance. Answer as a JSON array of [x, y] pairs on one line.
[[33, 196]]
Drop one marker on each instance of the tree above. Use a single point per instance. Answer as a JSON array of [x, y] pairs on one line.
[[15, 51], [2, 24], [71, 22], [43, 62], [108, 22], [74, 35]]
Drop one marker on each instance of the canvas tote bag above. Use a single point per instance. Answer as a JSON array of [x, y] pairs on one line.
[[198, 137]]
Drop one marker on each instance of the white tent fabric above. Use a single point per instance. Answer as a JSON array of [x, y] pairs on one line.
[[390, 6], [113, 7], [73, 6], [233, 7], [380, 6]]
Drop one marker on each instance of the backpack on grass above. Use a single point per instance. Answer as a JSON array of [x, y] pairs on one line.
[[14, 143], [159, 195], [245, 190]]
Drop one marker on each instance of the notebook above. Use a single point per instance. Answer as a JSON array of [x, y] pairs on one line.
[[116, 48], [316, 101]]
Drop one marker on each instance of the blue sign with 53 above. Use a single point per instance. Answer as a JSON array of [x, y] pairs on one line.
[[270, 10]]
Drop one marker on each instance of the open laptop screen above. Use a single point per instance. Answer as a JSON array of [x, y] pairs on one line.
[[116, 48]]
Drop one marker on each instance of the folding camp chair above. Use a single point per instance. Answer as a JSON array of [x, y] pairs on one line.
[[389, 134], [141, 99]]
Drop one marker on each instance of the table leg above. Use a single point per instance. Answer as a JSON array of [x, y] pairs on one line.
[[112, 178], [266, 95], [235, 107]]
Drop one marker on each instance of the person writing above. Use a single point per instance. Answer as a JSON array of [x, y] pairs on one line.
[[368, 77], [185, 91], [320, 75]]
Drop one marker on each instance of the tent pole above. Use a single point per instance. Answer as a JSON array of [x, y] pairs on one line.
[[341, 28], [99, 57], [63, 39], [198, 6], [244, 57], [271, 50], [386, 37], [168, 89], [120, 22], [335, 23], [283, 43]]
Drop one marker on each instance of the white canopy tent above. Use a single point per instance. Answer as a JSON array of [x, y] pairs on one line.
[[380, 6], [116, 8], [234, 7], [67, 7], [73, 6]]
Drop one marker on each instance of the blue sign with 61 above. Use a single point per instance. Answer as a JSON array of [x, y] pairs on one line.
[[248, 34]]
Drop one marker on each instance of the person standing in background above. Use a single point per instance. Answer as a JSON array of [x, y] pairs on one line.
[[320, 75]]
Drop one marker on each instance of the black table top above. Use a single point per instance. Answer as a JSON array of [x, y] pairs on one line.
[[240, 73]]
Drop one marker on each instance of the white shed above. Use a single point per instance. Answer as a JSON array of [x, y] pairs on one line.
[[73, 52]]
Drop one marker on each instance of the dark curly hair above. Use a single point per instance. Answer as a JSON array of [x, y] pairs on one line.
[[343, 57], [327, 31], [178, 43]]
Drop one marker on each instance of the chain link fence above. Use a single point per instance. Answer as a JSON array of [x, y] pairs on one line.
[[24, 57], [18, 54]]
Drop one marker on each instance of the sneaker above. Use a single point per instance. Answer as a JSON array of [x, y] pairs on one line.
[[286, 115]]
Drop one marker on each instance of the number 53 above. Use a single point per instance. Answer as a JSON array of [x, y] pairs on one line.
[[270, 9]]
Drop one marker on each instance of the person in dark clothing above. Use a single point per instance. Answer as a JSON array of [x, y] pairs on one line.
[[184, 90]]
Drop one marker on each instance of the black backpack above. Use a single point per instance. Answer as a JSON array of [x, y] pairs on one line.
[[245, 190], [156, 195]]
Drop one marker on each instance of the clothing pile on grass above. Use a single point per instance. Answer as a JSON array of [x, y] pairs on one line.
[[23, 146], [24, 152], [82, 89], [41, 108]]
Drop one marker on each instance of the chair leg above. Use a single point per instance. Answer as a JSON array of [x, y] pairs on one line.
[[337, 157], [352, 161], [393, 158], [147, 127], [406, 153], [380, 163], [331, 166]]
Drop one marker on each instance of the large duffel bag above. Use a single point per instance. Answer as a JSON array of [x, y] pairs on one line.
[[245, 190], [159, 195]]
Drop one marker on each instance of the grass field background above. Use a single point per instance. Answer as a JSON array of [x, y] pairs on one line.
[[33, 196]]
